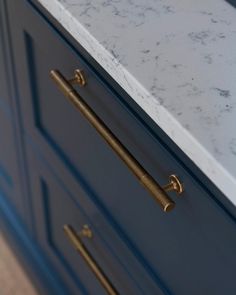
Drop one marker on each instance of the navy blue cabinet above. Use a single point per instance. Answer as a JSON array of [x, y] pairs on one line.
[[10, 172], [75, 178]]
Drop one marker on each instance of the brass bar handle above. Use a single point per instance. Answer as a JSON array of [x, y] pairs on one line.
[[95, 268], [144, 177]]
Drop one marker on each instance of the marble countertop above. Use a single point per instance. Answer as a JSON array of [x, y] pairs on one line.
[[177, 60]]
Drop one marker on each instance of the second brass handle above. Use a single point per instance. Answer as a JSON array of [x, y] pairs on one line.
[[144, 177], [85, 254]]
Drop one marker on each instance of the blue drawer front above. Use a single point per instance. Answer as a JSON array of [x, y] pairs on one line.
[[58, 199]]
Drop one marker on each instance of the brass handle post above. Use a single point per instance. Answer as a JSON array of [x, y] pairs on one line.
[[85, 254], [144, 177]]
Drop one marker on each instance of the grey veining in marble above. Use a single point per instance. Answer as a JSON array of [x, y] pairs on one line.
[[177, 60]]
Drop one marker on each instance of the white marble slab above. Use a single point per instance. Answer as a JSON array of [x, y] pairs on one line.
[[177, 60]]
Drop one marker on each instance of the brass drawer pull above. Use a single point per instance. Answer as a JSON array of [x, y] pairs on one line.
[[144, 177], [75, 240]]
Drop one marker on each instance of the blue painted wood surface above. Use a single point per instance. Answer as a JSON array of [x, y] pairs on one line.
[[10, 172], [188, 251], [60, 199]]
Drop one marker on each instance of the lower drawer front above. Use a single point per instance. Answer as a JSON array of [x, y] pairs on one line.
[[56, 205]]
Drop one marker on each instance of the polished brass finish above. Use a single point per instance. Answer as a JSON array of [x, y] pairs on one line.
[[78, 78], [174, 185], [85, 254], [144, 177]]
